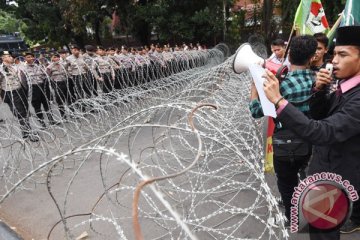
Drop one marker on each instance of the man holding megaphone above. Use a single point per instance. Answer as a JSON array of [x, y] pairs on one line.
[[291, 152]]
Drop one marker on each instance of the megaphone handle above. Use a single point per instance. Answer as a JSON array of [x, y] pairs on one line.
[[281, 72]]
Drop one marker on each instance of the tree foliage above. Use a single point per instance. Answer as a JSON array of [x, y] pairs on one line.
[[8, 23], [57, 22]]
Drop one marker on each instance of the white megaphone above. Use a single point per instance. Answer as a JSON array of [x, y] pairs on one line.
[[244, 57]]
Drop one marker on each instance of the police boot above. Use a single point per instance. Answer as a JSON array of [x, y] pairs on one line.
[[42, 123], [52, 120], [33, 137]]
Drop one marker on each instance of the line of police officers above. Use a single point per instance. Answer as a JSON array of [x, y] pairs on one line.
[[77, 76]]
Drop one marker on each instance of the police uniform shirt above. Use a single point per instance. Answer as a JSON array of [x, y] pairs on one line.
[[34, 73], [146, 58], [11, 78], [124, 60], [139, 60], [89, 58], [57, 71], [76, 65], [168, 56], [114, 62], [102, 64], [158, 57]]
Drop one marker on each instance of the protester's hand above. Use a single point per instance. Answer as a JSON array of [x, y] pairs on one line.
[[261, 63], [271, 87], [323, 78]]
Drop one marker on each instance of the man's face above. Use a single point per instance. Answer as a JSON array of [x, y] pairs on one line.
[[320, 52], [279, 51], [111, 52], [29, 59], [100, 52], [55, 59], [8, 59], [346, 62], [75, 52]]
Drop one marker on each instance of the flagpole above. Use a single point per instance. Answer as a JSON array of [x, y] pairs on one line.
[[337, 23], [332, 31], [293, 30], [289, 41]]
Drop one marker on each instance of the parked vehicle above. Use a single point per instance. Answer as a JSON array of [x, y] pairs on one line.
[[12, 43]]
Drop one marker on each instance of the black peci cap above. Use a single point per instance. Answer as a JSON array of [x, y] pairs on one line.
[[348, 35]]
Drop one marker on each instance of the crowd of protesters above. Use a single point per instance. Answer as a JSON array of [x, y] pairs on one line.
[[317, 124]]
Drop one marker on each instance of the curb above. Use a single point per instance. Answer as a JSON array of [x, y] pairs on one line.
[[6, 233]]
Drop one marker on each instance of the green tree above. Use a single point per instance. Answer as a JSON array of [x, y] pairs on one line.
[[176, 21], [58, 22], [44, 22], [8, 24]]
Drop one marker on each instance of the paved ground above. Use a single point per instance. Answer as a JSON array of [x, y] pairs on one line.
[[32, 212]]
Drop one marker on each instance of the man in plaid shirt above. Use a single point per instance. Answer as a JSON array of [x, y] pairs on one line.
[[296, 88]]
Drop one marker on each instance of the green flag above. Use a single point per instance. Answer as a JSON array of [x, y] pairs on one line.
[[310, 18], [351, 13], [349, 17]]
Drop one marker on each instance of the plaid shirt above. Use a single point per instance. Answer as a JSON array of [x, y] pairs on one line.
[[296, 87]]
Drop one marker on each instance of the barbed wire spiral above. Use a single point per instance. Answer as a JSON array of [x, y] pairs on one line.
[[173, 155]]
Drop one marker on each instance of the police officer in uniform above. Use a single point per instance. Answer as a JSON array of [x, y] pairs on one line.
[[115, 63], [13, 87], [90, 84], [77, 69], [63, 55], [40, 88], [60, 83], [125, 67], [104, 70]]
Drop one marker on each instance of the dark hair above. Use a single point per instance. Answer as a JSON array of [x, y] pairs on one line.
[[29, 54], [322, 38], [278, 42], [302, 48]]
